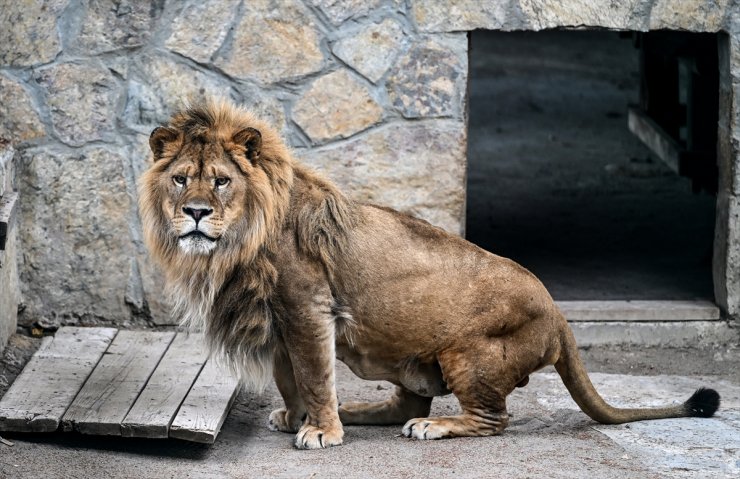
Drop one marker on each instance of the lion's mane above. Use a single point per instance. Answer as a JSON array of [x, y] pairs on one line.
[[228, 294]]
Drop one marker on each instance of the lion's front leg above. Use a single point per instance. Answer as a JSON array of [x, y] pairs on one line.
[[290, 418], [309, 339], [401, 407]]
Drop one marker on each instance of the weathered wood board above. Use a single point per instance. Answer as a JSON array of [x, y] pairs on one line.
[[116, 382], [205, 408], [41, 394], [158, 403], [140, 384], [654, 137]]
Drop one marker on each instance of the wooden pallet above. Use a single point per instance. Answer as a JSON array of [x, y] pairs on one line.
[[120, 383]]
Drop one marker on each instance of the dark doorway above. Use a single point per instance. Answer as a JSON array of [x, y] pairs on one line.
[[557, 181]]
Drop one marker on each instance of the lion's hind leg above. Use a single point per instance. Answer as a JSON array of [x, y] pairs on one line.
[[481, 390], [466, 424], [401, 407]]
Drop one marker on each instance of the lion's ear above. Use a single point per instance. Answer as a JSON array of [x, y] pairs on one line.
[[252, 141], [159, 137]]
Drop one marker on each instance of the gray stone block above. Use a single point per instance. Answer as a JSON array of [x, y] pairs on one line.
[[112, 25], [372, 49], [29, 33], [82, 98], [199, 30], [18, 119], [339, 11], [9, 293], [9, 287], [6, 166], [429, 80], [8, 204], [274, 44], [74, 225], [336, 106], [415, 168]]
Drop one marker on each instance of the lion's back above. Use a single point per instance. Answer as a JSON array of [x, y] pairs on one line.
[[421, 270]]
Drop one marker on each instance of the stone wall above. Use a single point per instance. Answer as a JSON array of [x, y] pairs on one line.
[[357, 89], [372, 92], [9, 288]]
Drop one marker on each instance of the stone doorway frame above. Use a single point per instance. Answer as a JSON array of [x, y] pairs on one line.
[[721, 18], [726, 253]]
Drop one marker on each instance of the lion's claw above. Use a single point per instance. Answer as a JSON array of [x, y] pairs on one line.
[[284, 421], [422, 428], [312, 437]]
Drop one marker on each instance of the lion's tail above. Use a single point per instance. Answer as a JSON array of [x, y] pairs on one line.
[[703, 403]]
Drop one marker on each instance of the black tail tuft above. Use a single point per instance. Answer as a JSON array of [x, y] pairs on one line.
[[703, 403]]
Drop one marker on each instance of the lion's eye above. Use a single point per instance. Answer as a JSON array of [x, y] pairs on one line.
[[179, 180], [222, 181]]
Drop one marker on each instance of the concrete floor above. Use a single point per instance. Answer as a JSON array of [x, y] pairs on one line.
[[558, 183], [548, 435]]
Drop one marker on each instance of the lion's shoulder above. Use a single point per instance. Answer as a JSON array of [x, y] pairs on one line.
[[321, 216]]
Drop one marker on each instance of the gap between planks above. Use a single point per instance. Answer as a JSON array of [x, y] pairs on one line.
[[156, 406], [115, 383]]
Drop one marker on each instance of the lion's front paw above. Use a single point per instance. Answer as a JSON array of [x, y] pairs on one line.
[[312, 437], [284, 421]]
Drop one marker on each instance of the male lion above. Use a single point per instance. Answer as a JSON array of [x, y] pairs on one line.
[[285, 274]]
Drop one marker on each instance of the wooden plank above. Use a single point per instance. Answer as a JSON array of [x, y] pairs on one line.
[[639, 310], [158, 403], [43, 391], [116, 382], [205, 408], [655, 138]]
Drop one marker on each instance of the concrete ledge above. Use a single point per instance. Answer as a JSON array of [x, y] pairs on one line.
[[667, 334], [639, 310]]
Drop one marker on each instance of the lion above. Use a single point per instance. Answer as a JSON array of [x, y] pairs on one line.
[[285, 275]]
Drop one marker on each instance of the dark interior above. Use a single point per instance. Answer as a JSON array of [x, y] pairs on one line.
[[557, 182]]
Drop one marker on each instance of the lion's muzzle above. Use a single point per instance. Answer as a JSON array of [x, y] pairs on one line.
[[197, 213]]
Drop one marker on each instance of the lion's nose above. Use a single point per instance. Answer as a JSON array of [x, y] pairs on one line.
[[197, 213]]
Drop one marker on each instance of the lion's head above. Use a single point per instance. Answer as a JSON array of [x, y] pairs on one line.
[[212, 201], [217, 186]]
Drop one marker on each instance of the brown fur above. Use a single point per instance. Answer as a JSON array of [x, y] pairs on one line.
[[299, 275]]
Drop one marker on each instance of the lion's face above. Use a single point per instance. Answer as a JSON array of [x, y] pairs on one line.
[[204, 194], [203, 190]]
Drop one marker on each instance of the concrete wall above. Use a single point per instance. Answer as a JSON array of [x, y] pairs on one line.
[[370, 91]]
